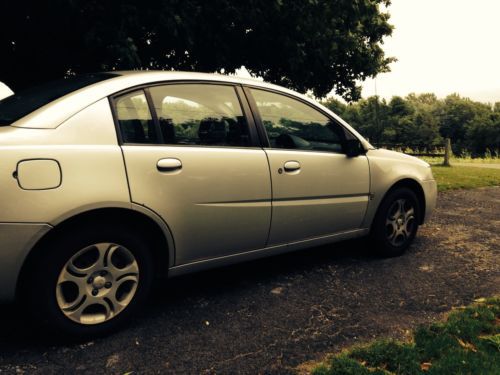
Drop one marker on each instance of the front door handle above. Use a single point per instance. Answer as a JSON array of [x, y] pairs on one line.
[[168, 165], [291, 166]]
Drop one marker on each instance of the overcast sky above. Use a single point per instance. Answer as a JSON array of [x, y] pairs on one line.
[[443, 46]]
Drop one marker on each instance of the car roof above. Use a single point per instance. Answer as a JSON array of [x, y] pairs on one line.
[[191, 76]]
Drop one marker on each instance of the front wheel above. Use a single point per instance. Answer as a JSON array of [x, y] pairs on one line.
[[396, 222], [90, 281]]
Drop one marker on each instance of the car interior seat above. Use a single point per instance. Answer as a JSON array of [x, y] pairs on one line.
[[213, 131], [168, 130]]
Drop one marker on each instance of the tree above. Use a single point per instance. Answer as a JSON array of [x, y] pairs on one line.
[[336, 106], [316, 45], [400, 121], [483, 132], [424, 120], [455, 116], [425, 126], [398, 107], [374, 116]]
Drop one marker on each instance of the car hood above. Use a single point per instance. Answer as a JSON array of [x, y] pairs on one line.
[[388, 154]]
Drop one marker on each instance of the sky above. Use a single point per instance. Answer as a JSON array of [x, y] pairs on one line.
[[443, 47]]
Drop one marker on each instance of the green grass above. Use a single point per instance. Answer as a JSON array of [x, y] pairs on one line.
[[464, 177], [434, 160], [468, 342], [459, 177]]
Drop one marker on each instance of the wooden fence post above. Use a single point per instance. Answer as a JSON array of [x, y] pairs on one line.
[[447, 152]]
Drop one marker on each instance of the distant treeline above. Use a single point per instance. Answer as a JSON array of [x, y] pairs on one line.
[[473, 127]]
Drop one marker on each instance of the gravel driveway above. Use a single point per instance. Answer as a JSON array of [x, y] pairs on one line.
[[271, 315]]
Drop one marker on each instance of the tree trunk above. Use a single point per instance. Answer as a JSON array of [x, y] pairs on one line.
[[447, 153]]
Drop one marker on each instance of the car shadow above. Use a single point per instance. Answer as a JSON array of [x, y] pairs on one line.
[[260, 271], [17, 330]]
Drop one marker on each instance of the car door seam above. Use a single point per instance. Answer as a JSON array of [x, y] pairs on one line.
[[126, 174], [272, 198]]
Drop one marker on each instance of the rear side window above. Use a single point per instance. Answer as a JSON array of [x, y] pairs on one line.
[[134, 119], [24, 102], [200, 114]]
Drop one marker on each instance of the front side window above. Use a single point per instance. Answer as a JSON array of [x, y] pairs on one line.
[[200, 114], [292, 124], [134, 118]]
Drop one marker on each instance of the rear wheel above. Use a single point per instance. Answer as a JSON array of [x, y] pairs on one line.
[[88, 282], [396, 222]]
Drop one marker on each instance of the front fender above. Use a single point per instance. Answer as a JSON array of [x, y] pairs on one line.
[[387, 168]]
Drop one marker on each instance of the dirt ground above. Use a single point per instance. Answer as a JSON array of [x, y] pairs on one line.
[[271, 315]]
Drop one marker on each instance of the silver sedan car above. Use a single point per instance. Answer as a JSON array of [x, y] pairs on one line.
[[111, 179]]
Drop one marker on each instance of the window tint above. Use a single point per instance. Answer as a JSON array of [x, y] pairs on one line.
[[16, 106], [134, 119], [292, 124], [197, 114]]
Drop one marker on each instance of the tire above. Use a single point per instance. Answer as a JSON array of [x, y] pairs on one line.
[[90, 281], [396, 222]]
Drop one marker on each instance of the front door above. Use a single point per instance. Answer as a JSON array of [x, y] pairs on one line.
[[191, 158], [317, 189]]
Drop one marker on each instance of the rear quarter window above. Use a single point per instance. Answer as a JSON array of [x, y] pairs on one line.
[[21, 104]]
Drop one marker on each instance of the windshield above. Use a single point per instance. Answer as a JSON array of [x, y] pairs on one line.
[[16, 106]]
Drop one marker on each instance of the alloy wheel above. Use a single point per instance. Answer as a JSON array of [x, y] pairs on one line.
[[400, 222], [97, 283]]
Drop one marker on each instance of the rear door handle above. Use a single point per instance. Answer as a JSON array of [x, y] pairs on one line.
[[168, 165], [291, 166]]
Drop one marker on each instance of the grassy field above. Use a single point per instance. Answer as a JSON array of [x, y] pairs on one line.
[[468, 342], [454, 159], [461, 177]]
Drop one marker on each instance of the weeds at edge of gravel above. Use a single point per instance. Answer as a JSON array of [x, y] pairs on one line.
[[467, 342]]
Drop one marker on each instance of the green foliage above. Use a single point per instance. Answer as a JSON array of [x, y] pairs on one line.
[[466, 343], [389, 355], [344, 365], [315, 45], [474, 128]]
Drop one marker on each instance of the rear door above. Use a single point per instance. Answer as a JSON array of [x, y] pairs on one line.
[[192, 157], [317, 189]]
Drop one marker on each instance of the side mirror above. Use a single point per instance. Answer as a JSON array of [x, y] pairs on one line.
[[353, 147]]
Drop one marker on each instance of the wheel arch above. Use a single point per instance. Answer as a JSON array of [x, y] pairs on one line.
[[415, 187], [160, 242]]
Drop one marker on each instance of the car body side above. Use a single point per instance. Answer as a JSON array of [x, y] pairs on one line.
[[78, 131]]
